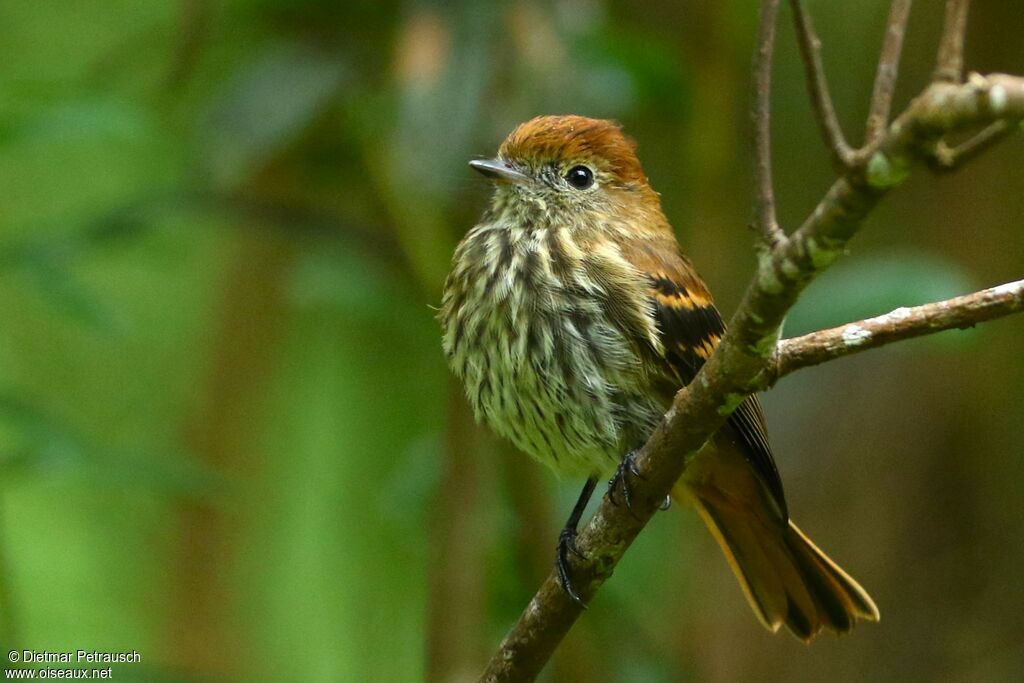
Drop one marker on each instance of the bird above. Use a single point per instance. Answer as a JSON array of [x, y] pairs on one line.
[[572, 318]]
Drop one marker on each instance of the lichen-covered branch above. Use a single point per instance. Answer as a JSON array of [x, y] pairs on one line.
[[903, 323], [746, 360]]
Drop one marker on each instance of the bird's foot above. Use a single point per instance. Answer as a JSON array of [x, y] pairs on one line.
[[621, 480], [567, 546]]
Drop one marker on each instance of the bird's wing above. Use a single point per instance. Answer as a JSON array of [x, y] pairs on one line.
[[689, 328]]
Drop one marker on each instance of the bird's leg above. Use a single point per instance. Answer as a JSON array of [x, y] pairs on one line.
[[625, 470], [567, 540]]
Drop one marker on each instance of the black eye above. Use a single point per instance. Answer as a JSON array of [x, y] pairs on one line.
[[580, 177]]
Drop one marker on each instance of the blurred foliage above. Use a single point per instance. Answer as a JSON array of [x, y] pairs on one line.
[[227, 436]]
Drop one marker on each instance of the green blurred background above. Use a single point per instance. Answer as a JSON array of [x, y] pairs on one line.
[[228, 438]]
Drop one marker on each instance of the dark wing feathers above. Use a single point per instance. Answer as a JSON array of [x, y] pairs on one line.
[[690, 326], [748, 423]]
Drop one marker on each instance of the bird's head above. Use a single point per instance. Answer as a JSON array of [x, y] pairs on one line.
[[569, 168]]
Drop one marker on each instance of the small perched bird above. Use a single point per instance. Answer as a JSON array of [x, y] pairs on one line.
[[572, 318]]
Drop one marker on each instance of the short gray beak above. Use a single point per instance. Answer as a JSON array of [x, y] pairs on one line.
[[496, 169]]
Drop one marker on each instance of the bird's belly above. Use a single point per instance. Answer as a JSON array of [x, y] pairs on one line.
[[547, 369], [572, 423]]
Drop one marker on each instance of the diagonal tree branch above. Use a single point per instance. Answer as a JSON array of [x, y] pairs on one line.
[[766, 221], [888, 70], [747, 359]]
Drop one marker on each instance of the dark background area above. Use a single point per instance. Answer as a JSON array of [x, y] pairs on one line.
[[228, 439]]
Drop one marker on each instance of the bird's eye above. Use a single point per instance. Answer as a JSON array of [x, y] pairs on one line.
[[580, 177]]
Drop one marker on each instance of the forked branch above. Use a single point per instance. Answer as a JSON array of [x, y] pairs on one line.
[[843, 156]]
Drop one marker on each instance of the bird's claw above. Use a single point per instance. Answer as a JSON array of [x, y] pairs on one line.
[[567, 546], [625, 470]]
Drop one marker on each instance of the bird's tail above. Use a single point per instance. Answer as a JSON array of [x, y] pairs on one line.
[[785, 577]]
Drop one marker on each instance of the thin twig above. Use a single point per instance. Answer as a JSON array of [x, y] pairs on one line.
[[903, 323], [948, 158], [817, 84], [767, 223], [888, 70], [949, 66]]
